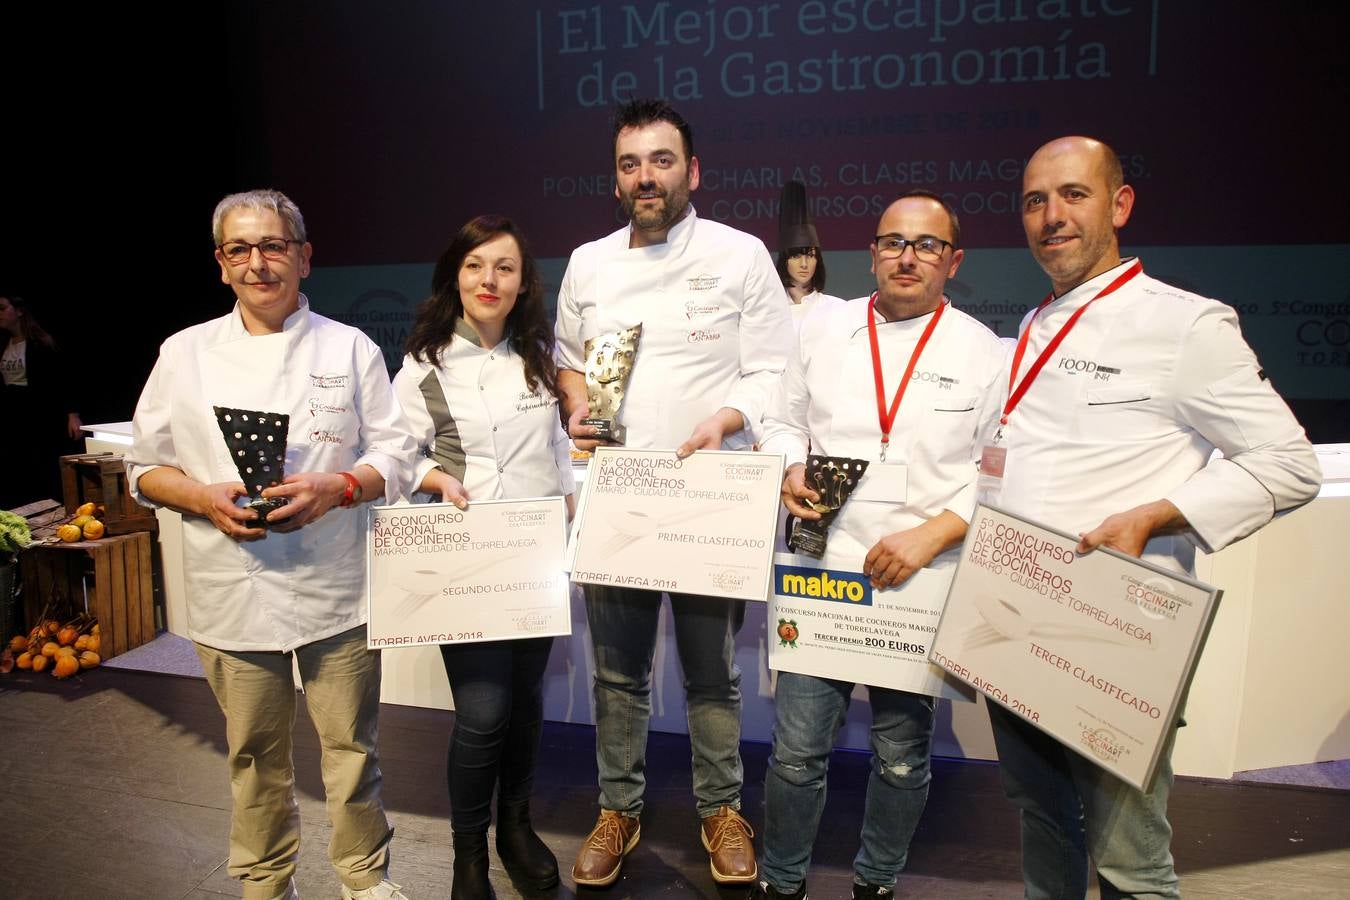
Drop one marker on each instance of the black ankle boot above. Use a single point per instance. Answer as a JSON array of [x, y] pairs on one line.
[[526, 857], [471, 868]]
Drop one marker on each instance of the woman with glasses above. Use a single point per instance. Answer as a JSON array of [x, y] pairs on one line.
[[480, 390], [801, 264]]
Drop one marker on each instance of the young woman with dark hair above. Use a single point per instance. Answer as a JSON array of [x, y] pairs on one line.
[[480, 390]]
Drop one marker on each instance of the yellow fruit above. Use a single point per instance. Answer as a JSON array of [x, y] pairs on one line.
[[79, 521], [82, 642], [63, 651], [69, 533], [25, 660], [51, 626], [66, 666], [93, 529], [89, 659], [95, 642], [95, 629], [85, 509], [40, 663], [50, 648]]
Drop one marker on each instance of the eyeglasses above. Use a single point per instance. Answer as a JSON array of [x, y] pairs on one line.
[[237, 253], [927, 248]]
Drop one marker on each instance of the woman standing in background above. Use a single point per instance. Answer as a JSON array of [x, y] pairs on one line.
[[37, 405]]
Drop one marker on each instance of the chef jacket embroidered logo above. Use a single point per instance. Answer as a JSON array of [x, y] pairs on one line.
[[944, 382], [323, 436], [329, 381], [703, 282], [695, 309], [703, 335], [1086, 366], [318, 407], [527, 401], [822, 584]]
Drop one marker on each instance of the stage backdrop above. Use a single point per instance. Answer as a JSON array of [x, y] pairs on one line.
[[399, 122]]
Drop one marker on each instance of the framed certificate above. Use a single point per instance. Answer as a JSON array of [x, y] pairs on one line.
[[700, 525], [1095, 649], [441, 575], [830, 622]]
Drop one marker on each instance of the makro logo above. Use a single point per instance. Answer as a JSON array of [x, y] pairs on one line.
[[822, 584]]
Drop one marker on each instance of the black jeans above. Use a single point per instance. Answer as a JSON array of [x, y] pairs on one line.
[[499, 711]]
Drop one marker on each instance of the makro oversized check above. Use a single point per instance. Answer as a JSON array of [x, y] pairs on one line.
[[830, 622], [700, 525], [1096, 649], [441, 575]]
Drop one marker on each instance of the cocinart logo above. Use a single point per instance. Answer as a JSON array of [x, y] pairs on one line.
[[822, 584]]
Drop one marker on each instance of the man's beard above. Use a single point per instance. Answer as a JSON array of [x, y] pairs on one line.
[[658, 218]]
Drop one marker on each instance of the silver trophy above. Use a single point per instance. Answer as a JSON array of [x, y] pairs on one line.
[[609, 366], [257, 444], [834, 478]]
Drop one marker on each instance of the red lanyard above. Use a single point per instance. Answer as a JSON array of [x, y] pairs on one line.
[[884, 418], [1015, 396]]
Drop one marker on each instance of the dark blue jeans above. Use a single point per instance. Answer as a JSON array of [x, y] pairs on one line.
[[808, 713], [499, 711]]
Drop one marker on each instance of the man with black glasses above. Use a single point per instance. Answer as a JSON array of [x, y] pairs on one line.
[[908, 383]]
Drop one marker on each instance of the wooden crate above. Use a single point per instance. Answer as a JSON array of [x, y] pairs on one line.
[[117, 572], [101, 478]]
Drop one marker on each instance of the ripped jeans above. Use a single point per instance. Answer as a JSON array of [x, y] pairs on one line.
[[808, 714]]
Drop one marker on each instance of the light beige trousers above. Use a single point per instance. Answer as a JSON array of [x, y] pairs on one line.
[[256, 691]]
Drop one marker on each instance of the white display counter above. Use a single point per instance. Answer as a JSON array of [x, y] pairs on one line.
[[1272, 689]]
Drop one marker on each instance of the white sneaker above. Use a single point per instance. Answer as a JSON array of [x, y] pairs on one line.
[[385, 890]]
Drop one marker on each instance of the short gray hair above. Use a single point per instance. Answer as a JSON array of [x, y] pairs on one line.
[[262, 199]]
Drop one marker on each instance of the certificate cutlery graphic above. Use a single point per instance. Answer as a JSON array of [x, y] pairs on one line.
[[422, 585], [632, 525], [1005, 622]]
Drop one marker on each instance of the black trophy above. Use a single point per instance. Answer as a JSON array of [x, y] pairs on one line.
[[257, 442], [834, 478]]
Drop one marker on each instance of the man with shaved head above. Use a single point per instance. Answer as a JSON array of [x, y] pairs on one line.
[[1111, 437]]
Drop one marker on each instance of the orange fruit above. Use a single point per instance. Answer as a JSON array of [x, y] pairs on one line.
[[40, 663], [51, 626], [18, 643], [89, 659], [95, 643], [25, 660], [63, 651], [82, 642], [50, 648], [66, 636], [66, 666], [93, 529]]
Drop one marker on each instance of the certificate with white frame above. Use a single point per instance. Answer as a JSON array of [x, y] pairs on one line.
[[699, 525], [1096, 649], [830, 622], [441, 575]]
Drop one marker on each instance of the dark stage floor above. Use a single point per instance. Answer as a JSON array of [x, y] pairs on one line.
[[115, 787]]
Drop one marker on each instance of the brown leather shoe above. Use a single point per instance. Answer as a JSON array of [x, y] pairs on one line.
[[601, 855], [731, 853]]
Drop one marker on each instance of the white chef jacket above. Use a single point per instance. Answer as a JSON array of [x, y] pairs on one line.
[[1129, 409], [474, 417], [800, 310], [827, 403], [284, 590], [715, 326]]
